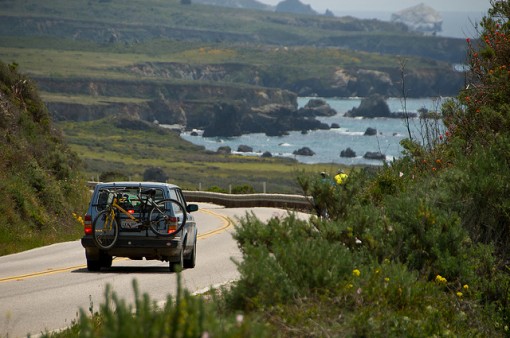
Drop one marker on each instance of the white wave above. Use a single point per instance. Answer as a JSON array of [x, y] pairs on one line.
[[352, 133]]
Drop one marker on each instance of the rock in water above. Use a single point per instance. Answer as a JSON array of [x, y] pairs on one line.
[[305, 151], [420, 18], [369, 155], [372, 106], [348, 153]]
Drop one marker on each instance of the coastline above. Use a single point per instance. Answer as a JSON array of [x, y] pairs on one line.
[[328, 144]]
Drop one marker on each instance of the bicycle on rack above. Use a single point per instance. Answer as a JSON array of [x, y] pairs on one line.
[[119, 209]]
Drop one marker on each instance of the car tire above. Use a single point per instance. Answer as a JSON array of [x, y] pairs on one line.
[[177, 266], [105, 220], [93, 265], [189, 262], [106, 261]]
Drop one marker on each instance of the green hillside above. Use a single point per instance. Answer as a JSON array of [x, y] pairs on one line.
[[103, 38], [40, 179], [135, 21]]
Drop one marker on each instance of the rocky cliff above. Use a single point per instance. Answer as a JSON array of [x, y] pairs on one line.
[[194, 96]]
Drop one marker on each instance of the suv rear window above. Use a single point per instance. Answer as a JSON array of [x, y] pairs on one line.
[[128, 197]]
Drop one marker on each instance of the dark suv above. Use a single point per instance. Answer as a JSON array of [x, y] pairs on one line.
[[137, 242]]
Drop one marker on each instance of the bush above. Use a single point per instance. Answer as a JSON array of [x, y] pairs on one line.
[[308, 281], [243, 189], [284, 259], [217, 189], [155, 175], [111, 176]]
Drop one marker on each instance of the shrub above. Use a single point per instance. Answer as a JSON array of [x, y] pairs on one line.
[[243, 189], [481, 112], [284, 259], [155, 174], [331, 199], [217, 189], [111, 176], [481, 190]]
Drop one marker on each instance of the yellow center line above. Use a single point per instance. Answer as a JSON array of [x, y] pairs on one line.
[[40, 273], [227, 223]]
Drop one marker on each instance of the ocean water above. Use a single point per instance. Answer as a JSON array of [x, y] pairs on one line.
[[327, 144]]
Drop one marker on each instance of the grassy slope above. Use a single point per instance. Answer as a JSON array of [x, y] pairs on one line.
[[39, 180]]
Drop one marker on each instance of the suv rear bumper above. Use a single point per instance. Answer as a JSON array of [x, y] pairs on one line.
[[165, 249]]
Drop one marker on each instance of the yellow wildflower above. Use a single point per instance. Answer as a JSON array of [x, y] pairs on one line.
[[441, 280], [356, 273]]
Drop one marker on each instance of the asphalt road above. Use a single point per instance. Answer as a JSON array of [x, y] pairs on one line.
[[43, 289]]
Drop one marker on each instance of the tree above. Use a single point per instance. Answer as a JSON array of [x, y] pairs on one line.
[[155, 174], [483, 110]]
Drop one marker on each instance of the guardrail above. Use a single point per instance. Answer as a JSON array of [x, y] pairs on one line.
[[285, 201], [250, 200]]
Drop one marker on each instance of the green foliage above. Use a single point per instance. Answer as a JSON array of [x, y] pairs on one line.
[[284, 259], [243, 189], [110, 176], [40, 178], [155, 174], [423, 236], [388, 300], [482, 109], [181, 316], [217, 189], [482, 185], [378, 269], [329, 198]]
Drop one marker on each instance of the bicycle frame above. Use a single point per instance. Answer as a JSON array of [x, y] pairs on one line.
[[115, 205], [144, 203], [109, 221]]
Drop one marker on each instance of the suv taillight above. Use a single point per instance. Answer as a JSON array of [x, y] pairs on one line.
[[173, 223], [87, 224]]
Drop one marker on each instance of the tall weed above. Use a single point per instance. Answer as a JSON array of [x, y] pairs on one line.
[[184, 315]]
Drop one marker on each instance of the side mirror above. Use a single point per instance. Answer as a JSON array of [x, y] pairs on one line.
[[191, 207]]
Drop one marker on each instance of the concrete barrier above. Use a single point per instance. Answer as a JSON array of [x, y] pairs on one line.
[[296, 202], [285, 201]]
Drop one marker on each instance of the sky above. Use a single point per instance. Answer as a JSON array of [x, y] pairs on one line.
[[392, 5]]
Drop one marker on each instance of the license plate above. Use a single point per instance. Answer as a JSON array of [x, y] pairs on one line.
[[128, 224]]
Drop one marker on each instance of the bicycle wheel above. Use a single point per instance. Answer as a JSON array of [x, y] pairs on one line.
[[105, 229], [167, 218]]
